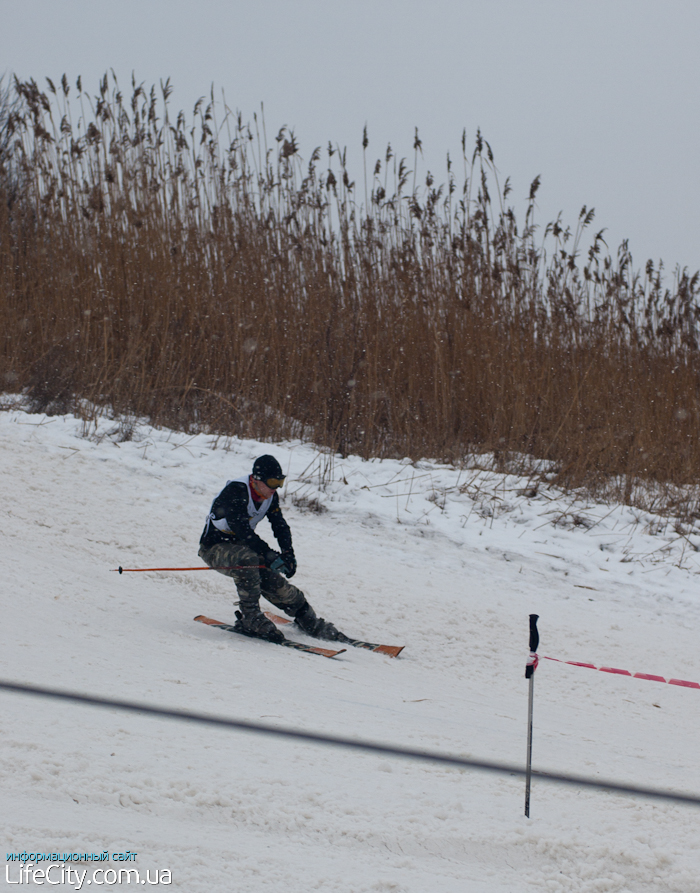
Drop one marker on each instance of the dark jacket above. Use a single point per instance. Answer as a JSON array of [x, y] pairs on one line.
[[229, 520]]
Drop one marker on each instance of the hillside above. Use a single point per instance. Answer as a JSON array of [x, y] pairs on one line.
[[448, 562]]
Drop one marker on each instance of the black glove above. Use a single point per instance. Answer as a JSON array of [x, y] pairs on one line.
[[290, 563]]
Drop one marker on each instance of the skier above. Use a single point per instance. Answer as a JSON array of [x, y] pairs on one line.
[[230, 545]]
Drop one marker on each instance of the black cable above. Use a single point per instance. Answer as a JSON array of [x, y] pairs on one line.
[[336, 741]]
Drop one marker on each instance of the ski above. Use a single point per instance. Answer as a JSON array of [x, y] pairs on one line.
[[389, 650], [297, 646]]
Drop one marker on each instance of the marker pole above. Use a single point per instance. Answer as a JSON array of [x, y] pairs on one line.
[[530, 674]]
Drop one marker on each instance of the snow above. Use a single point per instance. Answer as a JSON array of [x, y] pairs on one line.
[[447, 561]]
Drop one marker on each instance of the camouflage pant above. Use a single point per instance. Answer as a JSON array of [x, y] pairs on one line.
[[252, 581]]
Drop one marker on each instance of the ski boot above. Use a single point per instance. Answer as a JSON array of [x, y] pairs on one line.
[[317, 627], [256, 625]]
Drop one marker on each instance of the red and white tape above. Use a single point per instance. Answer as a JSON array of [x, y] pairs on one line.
[[534, 660], [614, 670]]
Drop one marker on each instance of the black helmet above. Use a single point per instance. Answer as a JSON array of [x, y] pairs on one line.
[[268, 470]]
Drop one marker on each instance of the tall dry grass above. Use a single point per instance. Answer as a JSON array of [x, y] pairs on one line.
[[193, 273]]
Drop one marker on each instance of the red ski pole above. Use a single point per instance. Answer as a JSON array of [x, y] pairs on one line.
[[143, 570]]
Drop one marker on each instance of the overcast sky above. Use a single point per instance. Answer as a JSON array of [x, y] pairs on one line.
[[599, 98]]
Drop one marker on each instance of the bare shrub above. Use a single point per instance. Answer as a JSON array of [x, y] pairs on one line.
[[308, 504]]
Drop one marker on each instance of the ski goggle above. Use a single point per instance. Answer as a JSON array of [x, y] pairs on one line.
[[274, 483]]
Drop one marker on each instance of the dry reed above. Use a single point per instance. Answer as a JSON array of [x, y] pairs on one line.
[[192, 274]]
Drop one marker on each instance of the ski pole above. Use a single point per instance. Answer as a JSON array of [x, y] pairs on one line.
[[532, 662], [236, 567]]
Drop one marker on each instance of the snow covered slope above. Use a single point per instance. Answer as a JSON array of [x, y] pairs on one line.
[[449, 563]]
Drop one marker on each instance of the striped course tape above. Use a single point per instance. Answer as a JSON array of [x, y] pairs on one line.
[[649, 676]]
